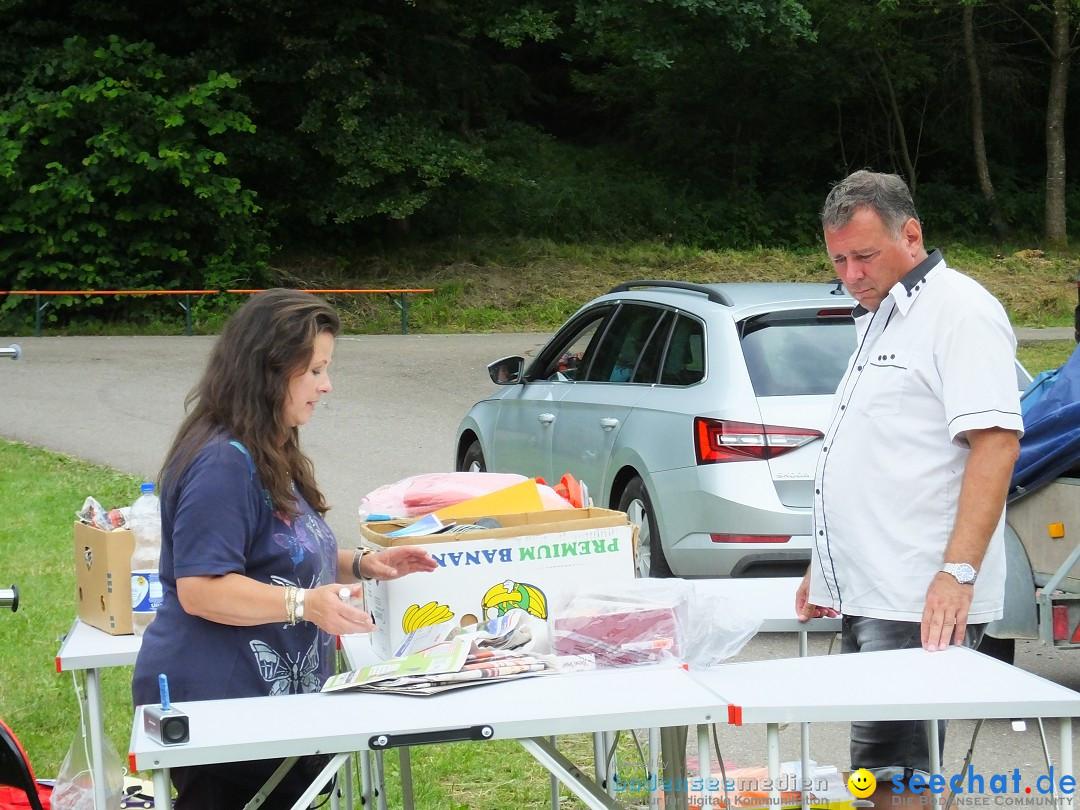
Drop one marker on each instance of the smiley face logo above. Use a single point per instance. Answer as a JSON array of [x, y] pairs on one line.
[[861, 783]]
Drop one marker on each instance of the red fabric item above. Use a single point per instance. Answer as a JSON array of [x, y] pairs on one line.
[[14, 799]]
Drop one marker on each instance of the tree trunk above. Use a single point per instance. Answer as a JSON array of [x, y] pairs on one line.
[[1054, 229], [898, 120], [982, 167]]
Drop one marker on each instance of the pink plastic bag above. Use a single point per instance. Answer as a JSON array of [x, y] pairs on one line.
[[429, 492]]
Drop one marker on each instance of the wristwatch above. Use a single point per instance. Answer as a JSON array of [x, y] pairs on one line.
[[965, 574], [358, 555]]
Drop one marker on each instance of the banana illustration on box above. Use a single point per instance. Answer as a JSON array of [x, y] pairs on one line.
[[417, 616], [509, 594]]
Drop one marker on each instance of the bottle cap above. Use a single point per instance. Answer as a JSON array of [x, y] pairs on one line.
[[147, 486]]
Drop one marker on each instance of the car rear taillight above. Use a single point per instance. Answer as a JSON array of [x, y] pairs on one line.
[[750, 538], [718, 440], [835, 313]]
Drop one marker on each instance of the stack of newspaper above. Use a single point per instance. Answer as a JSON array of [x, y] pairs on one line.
[[442, 658]]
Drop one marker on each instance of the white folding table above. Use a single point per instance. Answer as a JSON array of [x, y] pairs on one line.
[[952, 684], [89, 649], [527, 710]]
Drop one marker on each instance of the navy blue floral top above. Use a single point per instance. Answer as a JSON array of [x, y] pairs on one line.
[[217, 519]]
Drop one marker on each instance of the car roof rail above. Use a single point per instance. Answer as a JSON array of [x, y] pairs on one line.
[[711, 293]]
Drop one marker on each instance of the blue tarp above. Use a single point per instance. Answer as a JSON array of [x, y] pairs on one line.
[[1050, 446]]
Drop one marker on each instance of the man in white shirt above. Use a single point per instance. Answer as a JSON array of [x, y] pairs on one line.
[[915, 465]]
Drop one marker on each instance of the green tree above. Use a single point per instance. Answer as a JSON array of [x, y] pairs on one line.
[[110, 176]]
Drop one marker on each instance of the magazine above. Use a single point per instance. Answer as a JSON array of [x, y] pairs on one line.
[[449, 665]]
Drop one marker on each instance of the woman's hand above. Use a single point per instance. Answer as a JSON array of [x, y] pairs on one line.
[[325, 607], [396, 562]]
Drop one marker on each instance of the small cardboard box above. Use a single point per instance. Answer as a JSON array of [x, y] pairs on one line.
[[103, 578], [535, 562]]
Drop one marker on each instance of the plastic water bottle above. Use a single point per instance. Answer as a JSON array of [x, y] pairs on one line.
[[144, 520]]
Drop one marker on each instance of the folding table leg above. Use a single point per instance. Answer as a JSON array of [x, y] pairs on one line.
[[380, 780], [406, 778], [162, 789], [588, 791], [554, 783], [673, 755], [1065, 741], [772, 743], [654, 768]]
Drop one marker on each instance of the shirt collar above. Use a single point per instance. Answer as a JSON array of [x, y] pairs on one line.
[[907, 289]]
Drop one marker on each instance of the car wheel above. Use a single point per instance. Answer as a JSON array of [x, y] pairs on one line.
[[473, 460], [635, 501], [1003, 649]]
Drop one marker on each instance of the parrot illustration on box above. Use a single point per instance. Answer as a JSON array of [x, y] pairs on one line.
[[509, 594]]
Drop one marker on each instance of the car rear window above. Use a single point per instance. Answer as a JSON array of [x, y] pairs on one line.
[[797, 355]]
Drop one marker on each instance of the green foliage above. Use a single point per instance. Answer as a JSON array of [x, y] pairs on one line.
[[111, 176], [177, 149], [1044, 355]]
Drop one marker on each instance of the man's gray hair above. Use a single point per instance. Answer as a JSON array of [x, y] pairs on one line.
[[887, 195]]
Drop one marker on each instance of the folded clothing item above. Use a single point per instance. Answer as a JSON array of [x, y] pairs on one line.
[[617, 634]]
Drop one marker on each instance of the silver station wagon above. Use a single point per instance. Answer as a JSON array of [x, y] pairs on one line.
[[696, 409]]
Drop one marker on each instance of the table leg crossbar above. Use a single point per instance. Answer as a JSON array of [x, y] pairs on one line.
[[569, 774]]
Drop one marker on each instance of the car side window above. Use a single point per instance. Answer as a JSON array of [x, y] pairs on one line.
[[684, 363], [620, 353], [569, 357]]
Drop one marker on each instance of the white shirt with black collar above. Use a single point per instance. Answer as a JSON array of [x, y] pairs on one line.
[[935, 360]]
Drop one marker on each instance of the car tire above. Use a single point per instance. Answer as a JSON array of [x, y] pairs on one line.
[[473, 460], [635, 501], [1003, 649]]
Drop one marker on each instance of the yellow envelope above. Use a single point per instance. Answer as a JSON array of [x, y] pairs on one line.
[[511, 500]]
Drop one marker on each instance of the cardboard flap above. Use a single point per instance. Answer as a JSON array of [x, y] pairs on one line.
[[513, 525]]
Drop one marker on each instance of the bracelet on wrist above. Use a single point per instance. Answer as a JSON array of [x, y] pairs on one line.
[[290, 603], [300, 594], [359, 555]]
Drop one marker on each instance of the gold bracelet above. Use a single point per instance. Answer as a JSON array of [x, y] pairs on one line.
[[357, 556], [290, 603]]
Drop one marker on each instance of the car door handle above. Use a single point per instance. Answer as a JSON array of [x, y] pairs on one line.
[[546, 418], [609, 423]]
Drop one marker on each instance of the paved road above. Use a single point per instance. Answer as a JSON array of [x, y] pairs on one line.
[[396, 403], [117, 401]]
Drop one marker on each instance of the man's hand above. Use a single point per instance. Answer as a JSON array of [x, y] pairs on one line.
[[806, 611], [945, 615]]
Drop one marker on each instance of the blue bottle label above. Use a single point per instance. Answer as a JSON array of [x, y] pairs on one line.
[[146, 592]]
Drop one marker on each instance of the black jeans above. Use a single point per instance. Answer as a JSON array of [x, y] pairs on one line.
[[229, 786]]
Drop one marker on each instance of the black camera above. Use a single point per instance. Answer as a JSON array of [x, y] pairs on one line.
[[166, 726]]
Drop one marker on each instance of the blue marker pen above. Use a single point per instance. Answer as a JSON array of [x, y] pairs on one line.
[[163, 688]]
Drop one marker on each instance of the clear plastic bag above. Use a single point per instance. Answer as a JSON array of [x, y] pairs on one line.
[[74, 789], [644, 621]]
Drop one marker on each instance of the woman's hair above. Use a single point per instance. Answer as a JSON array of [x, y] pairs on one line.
[[243, 390], [887, 195]]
